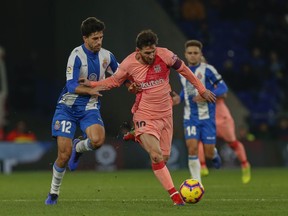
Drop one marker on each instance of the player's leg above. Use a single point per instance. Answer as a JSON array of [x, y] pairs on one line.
[[59, 168], [239, 150], [208, 137], [93, 126], [193, 160], [95, 139], [227, 133], [192, 134], [149, 137], [63, 127], [165, 146], [211, 153], [151, 144], [201, 155]]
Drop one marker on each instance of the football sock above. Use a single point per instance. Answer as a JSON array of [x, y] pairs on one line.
[[172, 191], [201, 155], [84, 145], [58, 174], [163, 175], [194, 167], [239, 150]]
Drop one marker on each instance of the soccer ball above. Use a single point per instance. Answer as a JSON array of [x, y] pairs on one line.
[[191, 191]]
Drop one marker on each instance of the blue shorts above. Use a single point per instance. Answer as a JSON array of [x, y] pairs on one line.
[[66, 120], [204, 130]]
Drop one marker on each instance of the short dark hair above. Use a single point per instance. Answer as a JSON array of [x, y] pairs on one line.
[[91, 25], [193, 43], [146, 38]]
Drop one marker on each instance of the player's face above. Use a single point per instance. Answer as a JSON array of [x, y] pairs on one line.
[[193, 55], [147, 54], [94, 41]]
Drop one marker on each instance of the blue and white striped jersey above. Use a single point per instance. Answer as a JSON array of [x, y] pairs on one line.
[[209, 77], [85, 64]]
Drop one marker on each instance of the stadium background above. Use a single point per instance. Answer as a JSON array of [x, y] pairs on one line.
[[38, 37]]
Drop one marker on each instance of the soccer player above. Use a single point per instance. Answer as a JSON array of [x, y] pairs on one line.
[[225, 129], [78, 104], [199, 116], [149, 67]]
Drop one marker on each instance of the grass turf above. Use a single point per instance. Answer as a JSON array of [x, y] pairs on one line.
[[137, 192]]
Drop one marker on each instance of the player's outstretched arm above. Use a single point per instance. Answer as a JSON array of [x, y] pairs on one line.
[[85, 88], [205, 93]]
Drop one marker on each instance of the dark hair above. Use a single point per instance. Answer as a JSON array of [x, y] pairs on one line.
[[193, 43], [146, 38], [91, 25]]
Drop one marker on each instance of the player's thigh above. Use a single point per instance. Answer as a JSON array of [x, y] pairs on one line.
[[63, 123], [166, 136], [148, 134], [92, 125], [226, 130], [150, 143]]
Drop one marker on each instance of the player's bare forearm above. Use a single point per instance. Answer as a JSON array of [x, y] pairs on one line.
[[84, 90]]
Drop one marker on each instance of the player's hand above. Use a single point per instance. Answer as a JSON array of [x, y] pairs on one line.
[[198, 98], [175, 98], [134, 88], [209, 96], [96, 90], [84, 81]]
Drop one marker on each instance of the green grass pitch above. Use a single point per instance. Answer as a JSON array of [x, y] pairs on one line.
[[137, 192]]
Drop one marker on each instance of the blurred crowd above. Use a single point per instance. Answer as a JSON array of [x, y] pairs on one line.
[[246, 41]]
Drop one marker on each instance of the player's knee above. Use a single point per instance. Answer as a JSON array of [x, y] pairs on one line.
[[97, 141], [192, 150], [156, 157]]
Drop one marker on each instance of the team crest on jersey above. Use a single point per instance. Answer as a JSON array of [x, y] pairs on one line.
[[92, 77], [157, 68], [57, 125], [69, 69], [199, 76], [105, 63]]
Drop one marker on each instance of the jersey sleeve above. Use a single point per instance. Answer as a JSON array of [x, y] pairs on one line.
[[215, 78], [113, 63], [167, 56], [73, 72], [221, 88], [113, 81]]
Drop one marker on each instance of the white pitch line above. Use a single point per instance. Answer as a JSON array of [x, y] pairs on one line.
[[146, 200]]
